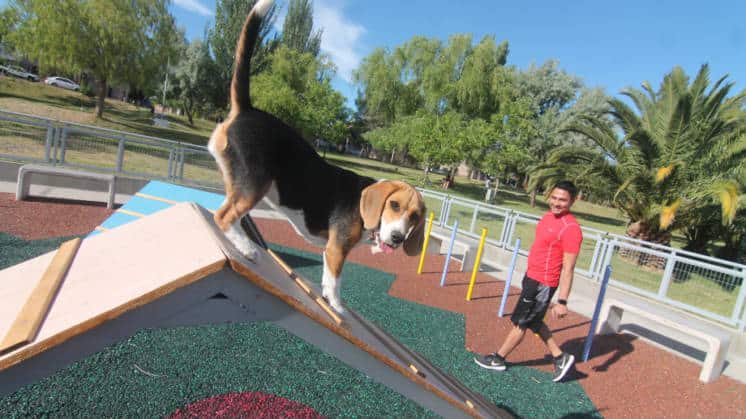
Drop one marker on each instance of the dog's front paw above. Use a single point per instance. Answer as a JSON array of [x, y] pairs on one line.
[[336, 305], [242, 243], [331, 297]]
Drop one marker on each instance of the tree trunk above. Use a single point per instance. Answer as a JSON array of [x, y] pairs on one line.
[[735, 246], [697, 239], [642, 231], [103, 89], [188, 105], [532, 198]]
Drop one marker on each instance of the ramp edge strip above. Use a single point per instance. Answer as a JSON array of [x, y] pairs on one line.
[[29, 319]]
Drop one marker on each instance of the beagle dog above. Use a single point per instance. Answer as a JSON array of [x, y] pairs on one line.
[[259, 156]]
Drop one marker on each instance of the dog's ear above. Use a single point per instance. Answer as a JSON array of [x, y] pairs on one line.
[[372, 201], [413, 244]]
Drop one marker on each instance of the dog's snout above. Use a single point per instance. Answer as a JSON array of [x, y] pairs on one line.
[[397, 237]]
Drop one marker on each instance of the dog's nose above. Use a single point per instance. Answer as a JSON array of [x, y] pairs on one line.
[[397, 237]]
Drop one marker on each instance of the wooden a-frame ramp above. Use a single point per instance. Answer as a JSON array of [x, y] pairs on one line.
[[175, 268]]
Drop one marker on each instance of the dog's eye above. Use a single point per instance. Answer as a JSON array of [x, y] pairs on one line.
[[394, 206]]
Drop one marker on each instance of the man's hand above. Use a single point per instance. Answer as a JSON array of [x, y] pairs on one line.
[[559, 311]]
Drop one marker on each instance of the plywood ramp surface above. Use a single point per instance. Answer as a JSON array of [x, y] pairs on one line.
[[112, 273]]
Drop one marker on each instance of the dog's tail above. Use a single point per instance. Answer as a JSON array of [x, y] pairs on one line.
[[240, 98]]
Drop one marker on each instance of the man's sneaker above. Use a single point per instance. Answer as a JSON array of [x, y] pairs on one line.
[[562, 365], [491, 362]]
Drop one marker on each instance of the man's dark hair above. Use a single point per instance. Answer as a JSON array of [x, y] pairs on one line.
[[568, 186]]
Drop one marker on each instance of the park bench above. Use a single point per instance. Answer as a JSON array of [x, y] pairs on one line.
[[25, 172], [467, 249], [717, 339]]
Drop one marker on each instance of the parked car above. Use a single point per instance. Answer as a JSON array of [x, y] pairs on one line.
[[16, 71], [62, 82]]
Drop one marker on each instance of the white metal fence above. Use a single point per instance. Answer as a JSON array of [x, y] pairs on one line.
[[710, 287], [31, 138]]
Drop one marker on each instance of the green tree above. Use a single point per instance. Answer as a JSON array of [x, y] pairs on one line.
[[194, 84], [297, 89], [112, 40], [297, 29], [223, 36], [674, 159], [9, 19]]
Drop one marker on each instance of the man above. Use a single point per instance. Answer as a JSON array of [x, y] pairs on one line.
[[551, 262]]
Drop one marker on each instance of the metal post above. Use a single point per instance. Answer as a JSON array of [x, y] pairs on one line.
[[181, 164], [474, 218], [594, 258], [426, 242], [120, 155], [477, 262], [62, 142], [503, 231], [509, 278], [448, 255], [667, 275], [170, 163], [596, 313], [739, 304], [49, 142], [444, 221]]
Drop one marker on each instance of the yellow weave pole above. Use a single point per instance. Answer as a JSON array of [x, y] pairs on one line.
[[427, 240], [476, 264]]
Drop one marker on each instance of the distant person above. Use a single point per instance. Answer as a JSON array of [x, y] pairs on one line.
[[551, 264], [447, 180]]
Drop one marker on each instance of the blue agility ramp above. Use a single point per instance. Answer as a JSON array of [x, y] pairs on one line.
[[157, 196]]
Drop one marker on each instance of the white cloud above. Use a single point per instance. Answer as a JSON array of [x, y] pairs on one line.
[[340, 38], [194, 6]]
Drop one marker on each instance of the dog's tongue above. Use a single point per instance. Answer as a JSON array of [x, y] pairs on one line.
[[386, 248]]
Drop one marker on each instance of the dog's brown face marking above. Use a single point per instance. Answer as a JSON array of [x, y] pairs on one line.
[[398, 210]]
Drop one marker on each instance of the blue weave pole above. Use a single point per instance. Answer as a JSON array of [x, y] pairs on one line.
[[450, 250], [596, 313], [506, 290]]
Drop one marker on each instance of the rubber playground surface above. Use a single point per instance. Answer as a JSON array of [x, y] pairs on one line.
[[260, 367]]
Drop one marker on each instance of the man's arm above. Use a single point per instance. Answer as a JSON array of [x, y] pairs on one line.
[[566, 277]]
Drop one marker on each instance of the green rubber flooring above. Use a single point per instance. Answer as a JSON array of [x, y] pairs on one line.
[[157, 371]]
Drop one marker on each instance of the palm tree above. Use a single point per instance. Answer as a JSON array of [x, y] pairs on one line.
[[674, 159]]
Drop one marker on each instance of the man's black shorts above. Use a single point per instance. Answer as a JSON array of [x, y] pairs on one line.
[[532, 305]]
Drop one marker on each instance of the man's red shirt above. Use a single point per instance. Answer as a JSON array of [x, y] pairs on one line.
[[555, 236]]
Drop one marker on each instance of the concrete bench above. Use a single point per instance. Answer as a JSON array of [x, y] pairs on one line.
[[469, 251], [717, 339], [25, 172]]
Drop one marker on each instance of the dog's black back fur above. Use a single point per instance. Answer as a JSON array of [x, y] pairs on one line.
[[265, 149]]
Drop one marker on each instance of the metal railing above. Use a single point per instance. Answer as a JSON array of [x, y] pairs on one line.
[[30, 138], [710, 287]]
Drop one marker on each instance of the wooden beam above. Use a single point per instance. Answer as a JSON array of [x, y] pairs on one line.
[[29, 319]]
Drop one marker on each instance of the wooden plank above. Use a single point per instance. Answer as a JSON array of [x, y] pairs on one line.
[[28, 321], [156, 198], [320, 301], [131, 213]]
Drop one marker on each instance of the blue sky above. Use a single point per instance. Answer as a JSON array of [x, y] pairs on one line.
[[608, 44]]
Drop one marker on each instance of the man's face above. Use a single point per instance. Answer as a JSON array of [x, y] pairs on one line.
[[560, 201]]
